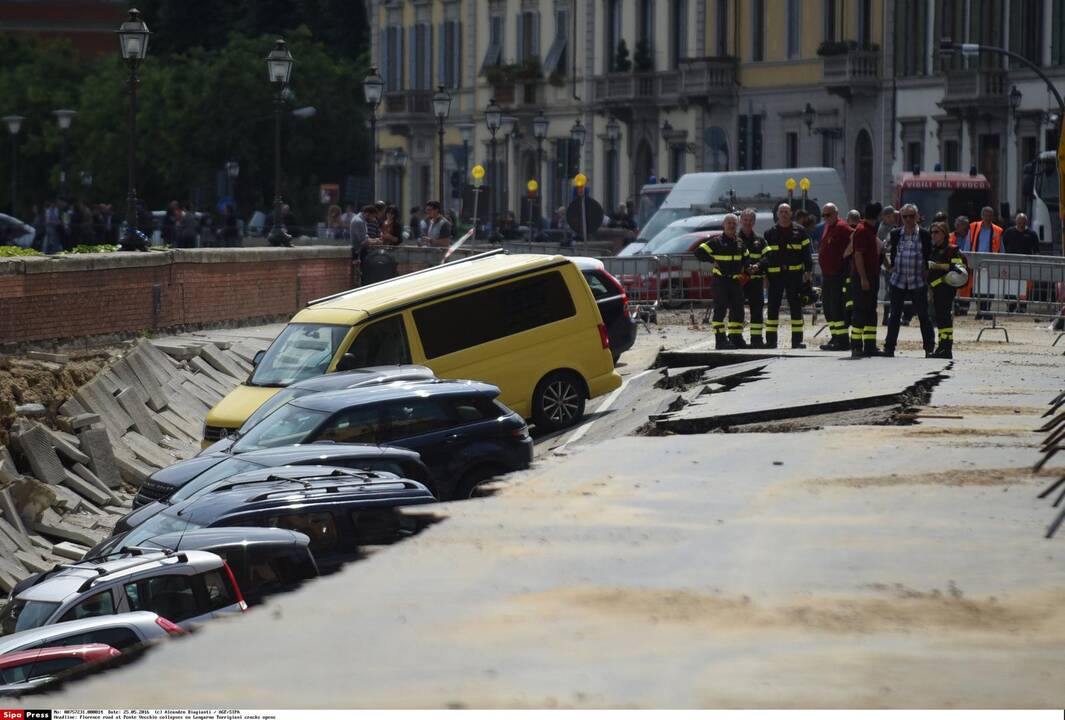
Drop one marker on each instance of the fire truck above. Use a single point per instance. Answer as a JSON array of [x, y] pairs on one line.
[[954, 193]]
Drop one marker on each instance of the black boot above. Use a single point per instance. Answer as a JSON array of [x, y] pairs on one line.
[[738, 342], [771, 341], [757, 342], [796, 342], [857, 349], [945, 351], [721, 342]]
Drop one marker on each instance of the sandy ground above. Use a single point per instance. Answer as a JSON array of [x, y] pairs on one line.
[[842, 566]]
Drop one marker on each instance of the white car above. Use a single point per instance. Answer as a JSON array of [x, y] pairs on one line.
[[121, 632], [184, 587], [670, 240]]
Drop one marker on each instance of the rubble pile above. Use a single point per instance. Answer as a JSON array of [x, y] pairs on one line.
[[62, 487]]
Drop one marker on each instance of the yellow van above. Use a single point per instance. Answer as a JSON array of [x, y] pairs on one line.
[[526, 323]]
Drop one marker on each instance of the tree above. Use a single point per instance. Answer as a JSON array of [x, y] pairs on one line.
[[621, 60]]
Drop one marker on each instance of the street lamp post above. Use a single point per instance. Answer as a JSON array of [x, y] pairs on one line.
[[133, 38], [279, 66], [493, 119], [14, 124], [441, 108], [63, 118], [372, 88], [232, 172], [540, 132], [466, 131]]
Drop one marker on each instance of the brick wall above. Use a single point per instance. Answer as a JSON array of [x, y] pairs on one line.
[[78, 296]]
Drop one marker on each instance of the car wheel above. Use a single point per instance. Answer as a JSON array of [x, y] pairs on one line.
[[558, 401], [467, 487]]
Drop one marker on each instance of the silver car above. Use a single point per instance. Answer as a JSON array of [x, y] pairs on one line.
[[119, 631], [184, 587]]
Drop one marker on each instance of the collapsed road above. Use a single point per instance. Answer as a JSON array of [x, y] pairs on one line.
[[856, 564]]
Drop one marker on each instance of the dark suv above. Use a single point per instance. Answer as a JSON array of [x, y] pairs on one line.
[[340, 511], [462, 432]]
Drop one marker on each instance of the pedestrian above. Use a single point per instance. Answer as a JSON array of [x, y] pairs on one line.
[[1020, 239], [415, 223], [345, 220], [986, 237], [909, 250], [169, 225], [438, 227], [332, 222], [865, 281], [853, 218], [391, 232], [754, 290], [360, 237], [230, 226], [889, 220], [186, 229], [789, 263], [834, 242], [730, 260], [53, 240], [942, 261]]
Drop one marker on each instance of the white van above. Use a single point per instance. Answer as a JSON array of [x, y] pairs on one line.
[[697, 193]]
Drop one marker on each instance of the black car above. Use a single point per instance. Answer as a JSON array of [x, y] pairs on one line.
[[346, 380], [340, 510], [613, 304], [462, 432], [264, 561], [188, 476]]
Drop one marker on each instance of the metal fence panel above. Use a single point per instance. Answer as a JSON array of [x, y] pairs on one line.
[[638, 274]]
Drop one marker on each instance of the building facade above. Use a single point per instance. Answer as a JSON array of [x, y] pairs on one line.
[[702, 85], [90, 25]]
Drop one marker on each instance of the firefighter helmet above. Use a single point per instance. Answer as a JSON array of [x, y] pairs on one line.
[[808, 294], [957, 277]]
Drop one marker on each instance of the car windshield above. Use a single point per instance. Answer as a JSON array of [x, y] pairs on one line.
[[661, 219], [161, 524], [650, 201], [299, 352], [225, 469], [22, 615], [288, 425], [929, 201], [282, 397]]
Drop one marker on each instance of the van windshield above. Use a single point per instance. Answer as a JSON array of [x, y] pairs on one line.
[[661, 219], [302, 350]]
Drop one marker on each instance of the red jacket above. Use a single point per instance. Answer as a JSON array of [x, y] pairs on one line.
[[834, 242]]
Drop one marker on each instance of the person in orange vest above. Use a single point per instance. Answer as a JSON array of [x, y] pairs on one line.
[[986, 237], [963, 239]]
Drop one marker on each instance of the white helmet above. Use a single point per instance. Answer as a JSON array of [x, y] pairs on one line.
[[957, 277]]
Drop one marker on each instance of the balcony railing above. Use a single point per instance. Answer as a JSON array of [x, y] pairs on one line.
[[852, 70], [409, 102], [976, 87], [708, 77], [625, 88]]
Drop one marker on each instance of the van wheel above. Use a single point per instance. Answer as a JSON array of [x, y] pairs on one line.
[[467, 487], [558, 401]]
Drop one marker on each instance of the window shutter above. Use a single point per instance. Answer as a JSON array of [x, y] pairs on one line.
[[535, 51], [520, 23], [441, 56], [412, 52], [427, 70], [382, 56], [456, 53]]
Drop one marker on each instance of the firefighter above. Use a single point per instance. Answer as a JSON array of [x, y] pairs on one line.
[[865, 283], [941, 263], [834, 241], [730, 260], [789, 264], [754, 290]]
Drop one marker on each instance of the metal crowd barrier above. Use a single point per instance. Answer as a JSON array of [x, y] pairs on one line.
[[1015, 286]]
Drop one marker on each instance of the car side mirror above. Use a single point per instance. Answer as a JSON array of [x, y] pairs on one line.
[[348, 362], [258, 358]]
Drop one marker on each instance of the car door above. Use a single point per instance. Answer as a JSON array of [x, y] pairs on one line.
[[425, 425], [606, 297]]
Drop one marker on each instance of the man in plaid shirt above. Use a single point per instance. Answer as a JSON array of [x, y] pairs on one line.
[[908, 251]]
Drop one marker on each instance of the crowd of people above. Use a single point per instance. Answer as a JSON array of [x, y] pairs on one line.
[[855, 255]]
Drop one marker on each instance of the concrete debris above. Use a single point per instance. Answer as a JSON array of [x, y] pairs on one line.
[[65, 446], [148, 379], [10, 512], [180, 431], [52, 525], [72, 408], [31, 410], [97, 398], [48, 357], [70, 551], [83, 420], [218, 360], [134, 403], [147, 451], [32, 497], [40, 543], [87, 490], [36, 446], [133, 471], [177, 350], [98, 447], [33, 562], [211, 378], [17, 536]]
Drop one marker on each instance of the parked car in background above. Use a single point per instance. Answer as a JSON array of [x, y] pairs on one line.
[[15, 232], [340, 380], [676, 276], [613, 304], [339, 510], [462, 432], [24, 670], [185, 588], [264, 561], [122, 632], [525, 323], [187, 477]]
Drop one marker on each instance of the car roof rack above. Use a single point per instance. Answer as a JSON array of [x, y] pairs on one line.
[[433, 268], [331, 489], [181, 558], [305, 481]]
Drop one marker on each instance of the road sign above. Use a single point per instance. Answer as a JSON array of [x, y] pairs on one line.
[[593, 215]]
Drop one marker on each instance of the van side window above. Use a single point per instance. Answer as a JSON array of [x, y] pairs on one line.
[[355, 425], [417, 416], [474, 409], [220, 592], [319, 527], [497, 312], [381, 343], [102, 603]]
